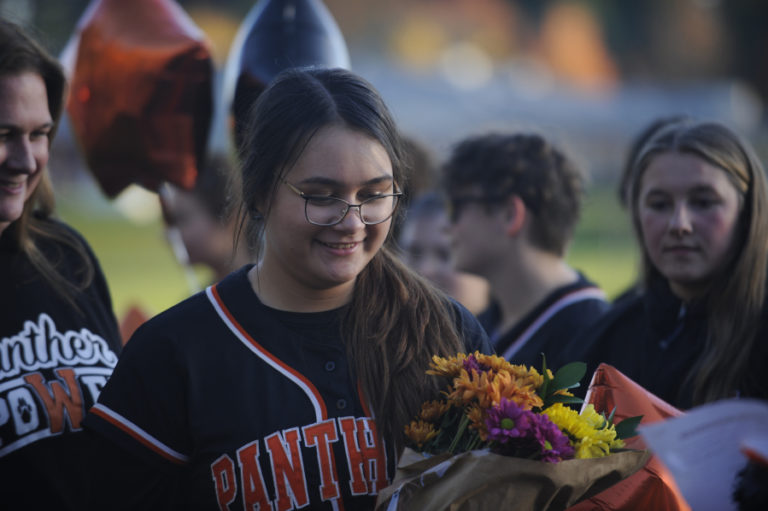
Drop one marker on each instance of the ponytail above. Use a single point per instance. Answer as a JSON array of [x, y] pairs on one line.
[[395, 324]]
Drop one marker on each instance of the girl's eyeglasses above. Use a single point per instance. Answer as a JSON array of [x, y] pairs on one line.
[[324, 210]]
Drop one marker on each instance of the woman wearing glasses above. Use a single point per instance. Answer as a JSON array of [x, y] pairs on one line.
[[288, 383]]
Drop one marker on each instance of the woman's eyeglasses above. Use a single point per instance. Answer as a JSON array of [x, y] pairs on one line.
[[324, 210]]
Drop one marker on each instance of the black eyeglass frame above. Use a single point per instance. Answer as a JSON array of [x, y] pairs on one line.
[[349, 205]]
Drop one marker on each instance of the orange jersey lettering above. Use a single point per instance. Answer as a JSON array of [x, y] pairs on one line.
[[320, 436], [287, 470], [251, 478], [223, 472], [58, 400], [366, 458]]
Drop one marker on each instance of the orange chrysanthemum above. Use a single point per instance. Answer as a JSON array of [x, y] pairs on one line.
[[477, 421], [520, 390], [495, 363], [432, 411], [420, 432], [528, 376], [472, 388]]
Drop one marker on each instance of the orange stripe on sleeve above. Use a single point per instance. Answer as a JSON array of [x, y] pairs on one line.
[[139, 435]]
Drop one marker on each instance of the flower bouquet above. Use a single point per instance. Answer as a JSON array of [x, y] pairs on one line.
[[503, 437]]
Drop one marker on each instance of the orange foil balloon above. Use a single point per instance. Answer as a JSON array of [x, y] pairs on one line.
[[651, 487], [141, 96]]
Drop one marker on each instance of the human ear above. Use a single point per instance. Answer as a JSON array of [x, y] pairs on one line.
[[515, 215]]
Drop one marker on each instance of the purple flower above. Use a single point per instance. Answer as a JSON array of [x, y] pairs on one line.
[[470, 364], [555, 445], [507, 420]]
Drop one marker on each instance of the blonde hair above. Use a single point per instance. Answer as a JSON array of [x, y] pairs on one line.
[[735, 296]]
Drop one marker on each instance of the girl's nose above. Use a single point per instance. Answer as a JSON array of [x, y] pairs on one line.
[[680, 222], [352, 220]]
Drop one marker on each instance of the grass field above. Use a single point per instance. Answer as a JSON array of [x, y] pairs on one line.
[[141, 269], [604, 246], [137, 261]]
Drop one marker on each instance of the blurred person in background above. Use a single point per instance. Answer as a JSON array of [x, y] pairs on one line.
[[515, 201], [423, 174], [423, 233], [426, 247], [204, 220], [59, 339], [287, 384], [200, 227], [697, 330]]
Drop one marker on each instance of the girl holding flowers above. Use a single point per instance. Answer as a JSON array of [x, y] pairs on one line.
[[287, 384]]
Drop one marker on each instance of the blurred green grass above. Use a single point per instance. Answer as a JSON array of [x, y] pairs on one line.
[[604, 247], [137, 261], [141, 269]]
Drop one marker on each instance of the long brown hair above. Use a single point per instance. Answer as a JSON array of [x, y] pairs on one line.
[[391, 338], [19, 53], [735, 296]]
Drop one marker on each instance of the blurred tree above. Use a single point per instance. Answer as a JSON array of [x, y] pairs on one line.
[[667, 39], [655, 39], [746, 22]]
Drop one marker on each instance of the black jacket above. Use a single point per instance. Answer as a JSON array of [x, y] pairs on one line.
[[654, 339], [550, 327], [54, 360]]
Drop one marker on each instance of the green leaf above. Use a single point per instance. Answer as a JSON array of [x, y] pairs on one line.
[[628, 427], [559, 398], [569, 376]]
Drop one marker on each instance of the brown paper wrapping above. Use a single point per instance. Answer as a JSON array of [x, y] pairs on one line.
[[141, 96], [652, 487], [481, 480]]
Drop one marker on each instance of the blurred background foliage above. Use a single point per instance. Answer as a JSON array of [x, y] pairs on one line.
[[588, 74]]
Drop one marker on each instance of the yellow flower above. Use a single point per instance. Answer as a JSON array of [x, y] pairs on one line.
[[432, 411], [599, 422], [494, 362], [593, 418], [450, 367], [420, 432], [590, 435], [528, 376]]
